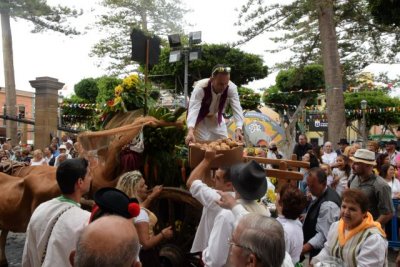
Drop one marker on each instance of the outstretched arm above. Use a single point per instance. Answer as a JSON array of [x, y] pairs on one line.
[[199, 172]]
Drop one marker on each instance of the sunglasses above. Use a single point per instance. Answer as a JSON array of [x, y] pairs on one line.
[[221, 70]]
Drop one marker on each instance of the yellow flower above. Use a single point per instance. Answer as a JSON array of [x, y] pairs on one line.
[[130, 82], [117, 100], [118, 90]]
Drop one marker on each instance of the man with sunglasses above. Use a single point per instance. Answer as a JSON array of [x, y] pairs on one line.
[[207, 103]]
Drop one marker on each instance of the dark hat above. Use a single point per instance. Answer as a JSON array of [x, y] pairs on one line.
[[392, 142], [114, 201], [249, 180], [343, 141]]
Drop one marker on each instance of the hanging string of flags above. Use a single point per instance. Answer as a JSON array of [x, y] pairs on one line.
[[85, 106], [372, 110], [76, 117]]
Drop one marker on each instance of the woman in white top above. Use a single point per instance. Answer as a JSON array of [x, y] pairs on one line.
[[356, 239], [134, 186], [38, 159], [387, 172]]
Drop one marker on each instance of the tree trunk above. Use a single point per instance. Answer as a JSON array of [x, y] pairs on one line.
[[290, 129], [332, 71], [11, 105]]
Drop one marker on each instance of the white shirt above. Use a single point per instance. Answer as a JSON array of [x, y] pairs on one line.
[[343, 180], [39, 163], [207, 197], [329, 212], [395, 186], [216, 253], [293, 237], [142, 217], [209, 129], [63, 237], [329, 158]]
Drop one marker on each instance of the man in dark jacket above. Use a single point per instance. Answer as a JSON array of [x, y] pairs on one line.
[[321, 213], [301, 147]]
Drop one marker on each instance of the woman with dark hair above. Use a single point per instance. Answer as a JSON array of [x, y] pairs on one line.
[[290, 204], [312, 159], [356, 239], [382, 159], [387, 172]]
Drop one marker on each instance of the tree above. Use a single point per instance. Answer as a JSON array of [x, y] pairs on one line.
[[249, 99], [245, 67], [161, 17], [87, 89], [106, 85], [332, 71], [379, 102], [385, 12], [43, 17], [294, 88]]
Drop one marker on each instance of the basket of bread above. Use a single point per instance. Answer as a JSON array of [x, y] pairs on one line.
[[231, 150]]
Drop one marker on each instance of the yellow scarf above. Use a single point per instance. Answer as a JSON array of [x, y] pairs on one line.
[[368, 222]]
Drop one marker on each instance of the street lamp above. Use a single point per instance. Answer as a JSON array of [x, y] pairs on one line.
[[190, 53], [364, 123]]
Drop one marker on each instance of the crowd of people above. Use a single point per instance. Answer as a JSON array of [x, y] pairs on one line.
[[336, 215], [56, 152]]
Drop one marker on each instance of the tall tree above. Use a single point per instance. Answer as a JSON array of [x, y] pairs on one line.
[[43, 17], [161, 17], [332, 71]]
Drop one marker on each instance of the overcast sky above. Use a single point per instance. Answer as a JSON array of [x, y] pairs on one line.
[[66, 58]]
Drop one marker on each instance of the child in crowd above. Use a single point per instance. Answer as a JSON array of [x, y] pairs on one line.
[[341, 174], [328, 171]]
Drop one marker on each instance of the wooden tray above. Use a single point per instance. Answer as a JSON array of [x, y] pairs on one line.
[[230, 157]]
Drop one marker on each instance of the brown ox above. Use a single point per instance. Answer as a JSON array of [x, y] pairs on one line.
[[20, 196]]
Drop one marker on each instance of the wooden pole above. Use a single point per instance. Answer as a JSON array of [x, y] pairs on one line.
[[146, 74]]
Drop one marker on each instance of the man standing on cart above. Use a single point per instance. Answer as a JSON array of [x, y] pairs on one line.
[[208, 101]]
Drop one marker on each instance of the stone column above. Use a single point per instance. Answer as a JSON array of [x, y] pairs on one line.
[[46, 109]]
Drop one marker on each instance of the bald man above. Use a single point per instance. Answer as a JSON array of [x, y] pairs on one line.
[[108, 241]]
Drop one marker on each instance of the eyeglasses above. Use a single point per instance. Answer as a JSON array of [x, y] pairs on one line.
[[231, 243], [221, 70]]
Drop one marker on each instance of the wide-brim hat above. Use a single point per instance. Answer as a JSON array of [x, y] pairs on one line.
[[114, 201], [249, 180], [364, 156], [343, 141]]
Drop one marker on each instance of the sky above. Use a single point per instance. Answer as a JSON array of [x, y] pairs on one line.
[[67, 58]]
